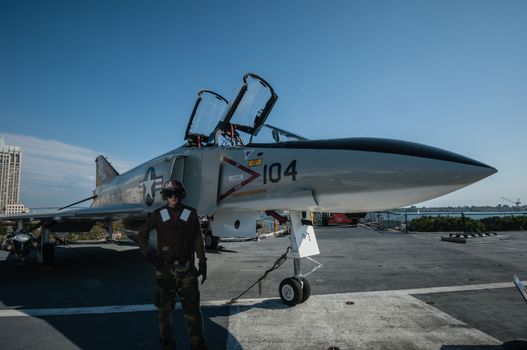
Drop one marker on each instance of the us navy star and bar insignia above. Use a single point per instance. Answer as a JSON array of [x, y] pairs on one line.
[[150, 184]]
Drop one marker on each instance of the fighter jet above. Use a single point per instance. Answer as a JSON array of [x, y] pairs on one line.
[[235, 166]]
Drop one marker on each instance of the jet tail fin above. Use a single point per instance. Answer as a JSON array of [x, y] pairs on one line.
[[104, 171]]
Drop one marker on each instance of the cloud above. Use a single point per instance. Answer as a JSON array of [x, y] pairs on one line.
[[55, 173]]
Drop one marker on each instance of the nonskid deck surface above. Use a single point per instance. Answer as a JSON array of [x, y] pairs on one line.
[[376, 291]]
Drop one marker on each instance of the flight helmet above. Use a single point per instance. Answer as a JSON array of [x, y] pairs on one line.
[[174, 186]]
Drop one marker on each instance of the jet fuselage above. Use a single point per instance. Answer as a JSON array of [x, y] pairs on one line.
[[341, 175]]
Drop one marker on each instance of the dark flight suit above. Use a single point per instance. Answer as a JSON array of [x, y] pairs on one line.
[[178, 238]]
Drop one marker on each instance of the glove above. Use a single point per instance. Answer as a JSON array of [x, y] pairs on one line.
[[202, 271], [154, 260]]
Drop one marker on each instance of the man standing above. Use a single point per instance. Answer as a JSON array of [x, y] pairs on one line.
[[178, 241]]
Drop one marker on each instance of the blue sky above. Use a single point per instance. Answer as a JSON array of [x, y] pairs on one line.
[[120, 78]]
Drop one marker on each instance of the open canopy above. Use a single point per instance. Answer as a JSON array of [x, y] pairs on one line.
[[213, 114], [208, 110]]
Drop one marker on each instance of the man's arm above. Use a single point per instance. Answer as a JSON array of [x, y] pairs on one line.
[[144, 235], [199, 246]]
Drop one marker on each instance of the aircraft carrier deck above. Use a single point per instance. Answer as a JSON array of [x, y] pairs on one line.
[[376, 290]]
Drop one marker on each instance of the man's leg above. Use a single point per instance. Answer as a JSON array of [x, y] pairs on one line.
[[189, 294], [166, 327], [165, 298]]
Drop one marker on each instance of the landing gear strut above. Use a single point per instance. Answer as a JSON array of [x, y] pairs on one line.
[[295, 290], [46, 256]]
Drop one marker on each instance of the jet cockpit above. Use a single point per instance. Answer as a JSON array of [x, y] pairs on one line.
[[216, 122]]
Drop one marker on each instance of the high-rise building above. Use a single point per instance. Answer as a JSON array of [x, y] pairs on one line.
[[10, 163]]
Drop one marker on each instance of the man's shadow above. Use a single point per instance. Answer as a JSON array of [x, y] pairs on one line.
[[216, 323]]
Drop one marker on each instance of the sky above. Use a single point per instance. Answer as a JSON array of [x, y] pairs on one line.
[[120, 78]]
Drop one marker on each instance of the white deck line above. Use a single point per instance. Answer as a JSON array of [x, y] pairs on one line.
[[150, 307]]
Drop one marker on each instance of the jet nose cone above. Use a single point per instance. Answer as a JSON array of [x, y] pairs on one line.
[[482, 171], [413, 149], [490, 170], [420, 166]]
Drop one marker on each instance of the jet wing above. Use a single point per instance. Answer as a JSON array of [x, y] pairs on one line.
[[77, 220], [113, 210], [51, 214], [83, 213]]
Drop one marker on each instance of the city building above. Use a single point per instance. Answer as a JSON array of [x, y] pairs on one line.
[[15, 209], [10, 164]]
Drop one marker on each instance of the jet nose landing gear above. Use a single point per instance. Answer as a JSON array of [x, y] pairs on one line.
[[296, 290]]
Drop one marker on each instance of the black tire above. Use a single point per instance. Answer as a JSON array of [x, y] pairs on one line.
[[306, 289], [211, 242], [215, 242], [290, 291]]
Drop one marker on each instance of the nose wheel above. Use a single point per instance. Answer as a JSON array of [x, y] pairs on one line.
[[294, 290]]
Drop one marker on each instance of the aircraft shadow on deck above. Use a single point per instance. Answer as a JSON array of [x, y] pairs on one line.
[[138, 330], [220, 251], [71, 283]]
